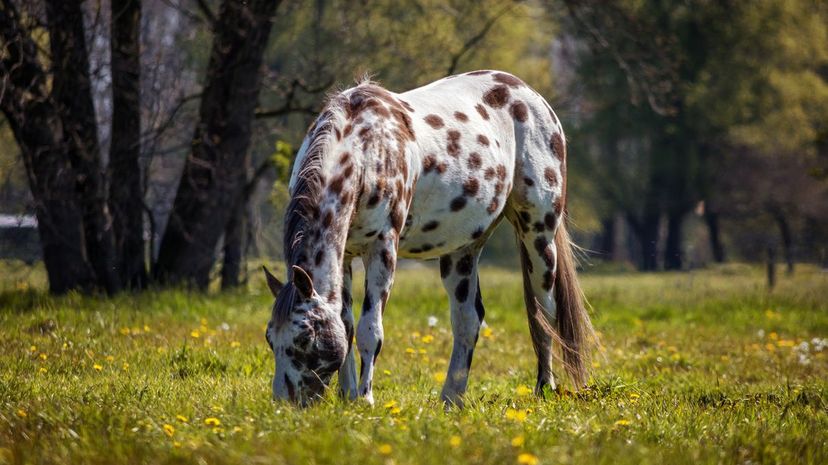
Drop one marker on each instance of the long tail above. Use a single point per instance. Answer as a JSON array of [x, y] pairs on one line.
[[574, 328]]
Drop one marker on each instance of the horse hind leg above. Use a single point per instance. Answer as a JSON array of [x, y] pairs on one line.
[[458, 271]]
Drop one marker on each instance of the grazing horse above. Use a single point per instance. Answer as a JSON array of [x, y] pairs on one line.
[[425, 174]]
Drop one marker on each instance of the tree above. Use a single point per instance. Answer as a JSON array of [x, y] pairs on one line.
[[215, 172]]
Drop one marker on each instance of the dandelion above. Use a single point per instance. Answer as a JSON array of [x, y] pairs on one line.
[[622, 422], [42, 370], [427, 339], [487, 333], [97, 367], [422, 351], [395, 411], [33, 349], [385, 449], [527, 459], [410, 350], [125, 366], [386, 372], [110, 358], [516, 415], [432, 321], [523, 390], [773, 336], [22, 413], [182, 418], [169, 430], [455, 441], [124, 331], [518, 441], [43, 356], [195, 334], [212, 421], [634, 396], [390, 403], [235, 344], [146, 329], [439, 376]]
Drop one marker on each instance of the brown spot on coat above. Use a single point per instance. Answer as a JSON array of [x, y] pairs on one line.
[[475, 161], [550, 176], [344, 158], [460, 116], [501, 172], [434, 121], [477, 233], [478, 73], [482, 110], [519, 111], [549, 220], [482, 140], [470, 187], [489, 173], [429, 163], [336, 184], [387, 260], [497, 96], [556, 143], [508, 79], [453, 146]]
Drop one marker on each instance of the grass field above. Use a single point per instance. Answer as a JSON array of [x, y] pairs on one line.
[[701, 367]]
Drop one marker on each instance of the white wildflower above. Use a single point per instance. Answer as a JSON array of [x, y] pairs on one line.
[[432, 321]]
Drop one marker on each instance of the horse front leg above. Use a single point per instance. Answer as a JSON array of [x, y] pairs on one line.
[[459, 273], [347, 373], [379, 263]]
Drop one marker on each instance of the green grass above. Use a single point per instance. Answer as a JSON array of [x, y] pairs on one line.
[[685, 377]]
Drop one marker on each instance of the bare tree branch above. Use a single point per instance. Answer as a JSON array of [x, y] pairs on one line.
[[475, 39]]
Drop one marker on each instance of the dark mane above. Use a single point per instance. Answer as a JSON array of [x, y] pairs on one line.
[[303, 206]]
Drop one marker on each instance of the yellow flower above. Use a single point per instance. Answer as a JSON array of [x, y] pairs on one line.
[[634, 396], [390, 403], [386, 372], [622, 422], [770, 347], [487, 332], [415, 334], [195, 334], [395, 410], [124, 331], [212, 421], [439, 377], [125, 366], [773, 336], [516, 415], [110, 358], [33, 349], [518, 441], [146, 329], [527, 459], [43, 356], [410, 350], [427, 339], [181, 418], [422, 351], [385, 449], [42, 370], [97, 367], [22, 413], [235, 344], [455, 441], [169, 430], [523, 390]]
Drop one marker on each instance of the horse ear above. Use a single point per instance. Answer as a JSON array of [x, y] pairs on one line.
[[303, 282], [272, 282]]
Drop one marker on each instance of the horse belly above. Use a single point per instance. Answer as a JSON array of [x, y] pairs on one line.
[[436, 226]]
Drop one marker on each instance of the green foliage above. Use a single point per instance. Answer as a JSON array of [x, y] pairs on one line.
[[178, 377]]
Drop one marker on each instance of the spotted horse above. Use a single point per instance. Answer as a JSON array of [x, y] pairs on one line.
[[424, 174]]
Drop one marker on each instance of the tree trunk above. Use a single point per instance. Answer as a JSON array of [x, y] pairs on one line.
[[646, 232], [125, 192], [71, 91], [787, 240], [607, 239], [672, 246], [716, 246], [214, 176], [38, 131], [234, 236]]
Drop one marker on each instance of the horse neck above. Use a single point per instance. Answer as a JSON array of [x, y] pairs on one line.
[[323, 244]]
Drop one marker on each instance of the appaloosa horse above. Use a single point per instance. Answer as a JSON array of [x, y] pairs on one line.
[[424, 174]]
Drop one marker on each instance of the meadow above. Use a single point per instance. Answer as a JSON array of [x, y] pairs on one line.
[[696, 367]]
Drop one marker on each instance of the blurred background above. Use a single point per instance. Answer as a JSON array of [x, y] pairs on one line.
[[148, 142]]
